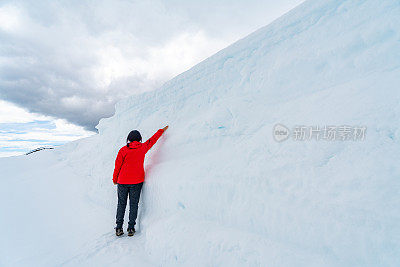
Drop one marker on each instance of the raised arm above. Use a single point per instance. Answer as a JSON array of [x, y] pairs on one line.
[[152, 140], [118, 164]]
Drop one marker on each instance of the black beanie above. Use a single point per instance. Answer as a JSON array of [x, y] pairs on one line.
[[134, 136]]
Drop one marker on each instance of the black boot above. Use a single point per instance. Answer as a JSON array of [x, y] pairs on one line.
[[119, 231], [131, 231]]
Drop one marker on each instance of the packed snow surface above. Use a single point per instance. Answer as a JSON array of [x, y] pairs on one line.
[[219, 190]]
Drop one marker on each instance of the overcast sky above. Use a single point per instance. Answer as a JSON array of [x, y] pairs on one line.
[[64, 64]]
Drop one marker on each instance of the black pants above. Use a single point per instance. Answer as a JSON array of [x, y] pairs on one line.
[[133, 190]]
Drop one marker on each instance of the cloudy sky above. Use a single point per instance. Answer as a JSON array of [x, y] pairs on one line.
[[64, 64]]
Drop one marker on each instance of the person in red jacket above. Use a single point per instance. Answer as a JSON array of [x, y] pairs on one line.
[[129, 175]]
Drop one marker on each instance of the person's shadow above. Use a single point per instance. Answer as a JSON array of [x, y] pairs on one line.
[[154, 160]]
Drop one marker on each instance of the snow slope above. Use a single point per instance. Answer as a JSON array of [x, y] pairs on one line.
[[219, 190]]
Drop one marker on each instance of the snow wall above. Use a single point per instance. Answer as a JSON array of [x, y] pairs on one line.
[[220, 191]]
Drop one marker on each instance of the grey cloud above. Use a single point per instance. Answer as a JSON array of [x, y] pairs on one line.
[[76, 59]]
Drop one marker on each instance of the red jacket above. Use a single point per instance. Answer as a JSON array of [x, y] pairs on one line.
[[129, 163]]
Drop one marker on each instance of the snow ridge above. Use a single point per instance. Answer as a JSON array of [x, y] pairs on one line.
[[219, 190]]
